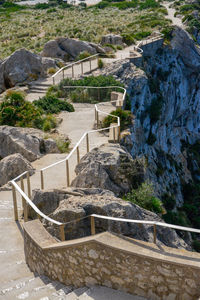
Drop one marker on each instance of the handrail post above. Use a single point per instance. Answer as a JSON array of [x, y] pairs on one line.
[[97, 119], [24, 204], [28, 184], [95, 114], [53, 81], [90, 64], [87, 143], [154, 233], [118, 133], [81, 68], [63, 73], [67, 172], [78, 154], [72, 71], [114, 135], [62, 232], [42, 179], [92, 222], [15, 203]]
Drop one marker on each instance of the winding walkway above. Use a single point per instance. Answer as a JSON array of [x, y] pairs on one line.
[[171, 11]]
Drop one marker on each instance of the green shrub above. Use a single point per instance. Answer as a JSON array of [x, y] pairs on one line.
[[100, 63], [83, 55], [149, 4], [141, 35], [125, 118], [169, 201], [128, 39], [144, 197], [196, 245], [63, 145], [51, 104], [155, 109], [151, 139], [15, 111]]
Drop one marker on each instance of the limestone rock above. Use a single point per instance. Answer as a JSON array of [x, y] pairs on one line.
[[184, 44], [47, 63], [12, 166], [52, 49], [67, 47], [112, 39], [109, 167], [74, 203], [74, 47], [22, 66], [27, 141]]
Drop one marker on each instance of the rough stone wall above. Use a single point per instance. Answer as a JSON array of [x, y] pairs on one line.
[[92, 262], [151, 48]]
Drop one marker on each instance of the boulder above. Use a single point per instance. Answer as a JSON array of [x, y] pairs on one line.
[[185, 46], [74, 47], [47, 63], [112, 39], [22, 66], [109, 167], [52, 49], [74, 203], [12, 166], [27, 141], [67, 47]]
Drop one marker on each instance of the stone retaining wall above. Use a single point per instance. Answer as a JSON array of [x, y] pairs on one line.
[[105, 259], [151, 48]]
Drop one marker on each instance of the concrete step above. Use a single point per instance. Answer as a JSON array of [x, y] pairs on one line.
[[104, 293], [34, 288], [76, 293]]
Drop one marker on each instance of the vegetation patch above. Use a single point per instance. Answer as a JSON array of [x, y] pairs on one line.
[[52, 105], [125, 118], [86, 95], [144, 197]]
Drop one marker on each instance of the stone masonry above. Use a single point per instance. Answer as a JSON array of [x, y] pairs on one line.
[[125, 264]]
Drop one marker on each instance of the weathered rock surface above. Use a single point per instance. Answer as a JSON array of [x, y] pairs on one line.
[[20, 67], [74, 203], [165, 102], [64, 47], [109, 167], [28, 142], [184, 44], [12, 166], [112, 39]]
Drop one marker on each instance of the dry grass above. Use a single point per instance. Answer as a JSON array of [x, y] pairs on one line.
[[32, 28]]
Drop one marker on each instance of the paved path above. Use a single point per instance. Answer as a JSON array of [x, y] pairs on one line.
[[171, 11], [16, 280]]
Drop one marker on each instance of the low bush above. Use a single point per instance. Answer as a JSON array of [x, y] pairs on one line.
[[90, 95], [52, 105], [144, 197], [83, 55], [100, 63], [16, 111], [125, 118], [63, 145]]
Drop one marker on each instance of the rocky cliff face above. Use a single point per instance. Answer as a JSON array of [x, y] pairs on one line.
[[165, 98]]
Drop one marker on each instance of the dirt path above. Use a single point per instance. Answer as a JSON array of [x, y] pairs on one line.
[[171, 11]]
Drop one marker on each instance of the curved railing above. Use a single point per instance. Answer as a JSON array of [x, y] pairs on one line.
[[26, 201], [72, 65]]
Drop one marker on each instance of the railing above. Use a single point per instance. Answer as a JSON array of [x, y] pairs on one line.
[[157, 36], [72, 65], [26, 201]]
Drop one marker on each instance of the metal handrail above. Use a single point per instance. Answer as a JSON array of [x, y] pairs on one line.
[[25, 197], [73, 64]]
